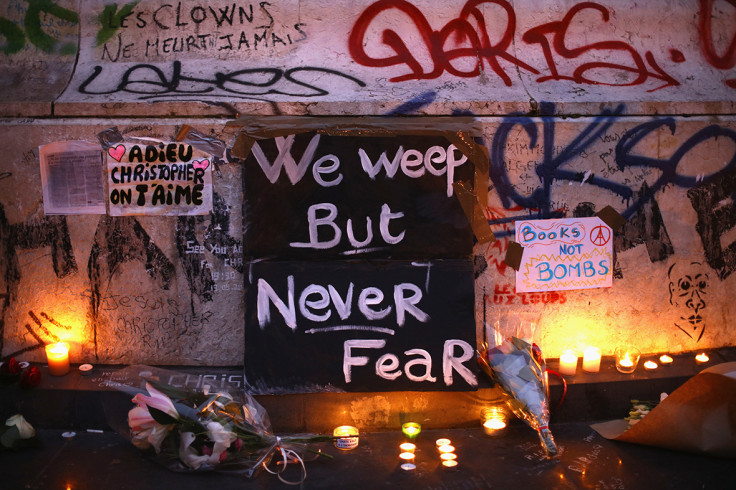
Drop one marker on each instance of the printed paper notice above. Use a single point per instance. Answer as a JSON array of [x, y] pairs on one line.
[[158, 178], [561, 254], [72, 178]]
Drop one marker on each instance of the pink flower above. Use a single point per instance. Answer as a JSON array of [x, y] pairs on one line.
[[156, 400]]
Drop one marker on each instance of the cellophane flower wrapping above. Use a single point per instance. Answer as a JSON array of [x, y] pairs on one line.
[[220, 428], [521, 373]]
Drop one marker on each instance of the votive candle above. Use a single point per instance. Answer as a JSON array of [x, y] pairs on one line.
[[650, 365], [407, 447], [627, 357], [592, 359], [702, 358], [347, 437], [665, 360], [57, 356], [569, 362], [411, 429]]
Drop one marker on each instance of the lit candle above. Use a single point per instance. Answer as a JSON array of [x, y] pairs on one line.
[[408, 461], [650, 365], [407, 447], [665, 360], [347, 437], [493, 420], [569, 362], [592, 359], [411, 429], [442, 442], [627, 358], [447, 448], [449, 464], [448, 456], [702, 358], [57, 356]]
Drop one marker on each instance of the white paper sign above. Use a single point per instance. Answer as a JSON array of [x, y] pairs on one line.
[[561, 254], [158, 178], [72, 178]]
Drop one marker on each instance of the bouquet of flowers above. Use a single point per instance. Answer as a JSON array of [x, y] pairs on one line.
[[520, 372], [223, 430]]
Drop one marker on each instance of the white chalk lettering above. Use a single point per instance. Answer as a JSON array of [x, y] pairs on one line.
[[348, 359], [315, 300], [333, 234], [413, 163], [318, 169], [386, 367], [450, 362], [425, 360], [284, 159]]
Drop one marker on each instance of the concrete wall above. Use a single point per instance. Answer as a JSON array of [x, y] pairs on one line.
[[581, 106]]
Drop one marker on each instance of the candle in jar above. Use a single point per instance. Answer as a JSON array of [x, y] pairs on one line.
[[568, 362], [627, 357], [650, 365], [347, 437], [592, 359], [493, 420], [57, 356], [411, 429], [702, 358], [664, 359]]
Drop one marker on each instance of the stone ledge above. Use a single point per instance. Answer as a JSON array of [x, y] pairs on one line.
[[80, 402]]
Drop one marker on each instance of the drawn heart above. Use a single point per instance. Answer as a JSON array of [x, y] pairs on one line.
[[117, 152], [203, 164]]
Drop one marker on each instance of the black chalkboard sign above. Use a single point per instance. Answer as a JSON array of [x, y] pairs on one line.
[[360, 275], [316, 196], [360, 326]]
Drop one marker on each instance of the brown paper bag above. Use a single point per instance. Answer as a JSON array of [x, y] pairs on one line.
[[699, 416]]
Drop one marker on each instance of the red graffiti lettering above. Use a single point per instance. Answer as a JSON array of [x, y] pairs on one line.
[[507, 295], [727, 60], [463, 46], [560, 41], [457, 40]]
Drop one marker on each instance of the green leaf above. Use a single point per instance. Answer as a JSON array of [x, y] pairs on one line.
[[162, 418]]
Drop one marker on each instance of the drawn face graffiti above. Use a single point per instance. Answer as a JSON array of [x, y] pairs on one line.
[[688, 289]]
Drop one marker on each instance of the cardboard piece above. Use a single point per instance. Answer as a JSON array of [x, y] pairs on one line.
[[698, 417], [514, 255], [611, 217]]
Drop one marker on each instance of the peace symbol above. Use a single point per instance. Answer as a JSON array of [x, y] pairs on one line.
[[600, 235]]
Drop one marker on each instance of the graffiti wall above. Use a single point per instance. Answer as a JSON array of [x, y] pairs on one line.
[[578, 106]]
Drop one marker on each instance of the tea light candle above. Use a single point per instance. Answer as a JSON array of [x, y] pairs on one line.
[[493, 420], [407, 447], [448, 456], [85, 369], [411, 429], [447, 448], [408, 461], [665, 360], [449, 464], [627, 358], [650, 365], [57, 356], [569, 362], [592, 359], [442, 442], [347, 437], [702, 358]]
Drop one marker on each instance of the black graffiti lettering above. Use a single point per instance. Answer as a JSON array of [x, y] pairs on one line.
[[713, 204], [151, 81]]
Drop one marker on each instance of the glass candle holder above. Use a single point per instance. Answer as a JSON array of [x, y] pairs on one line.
[[347, 437], [411, 430], [627, 358], [493, 420]]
